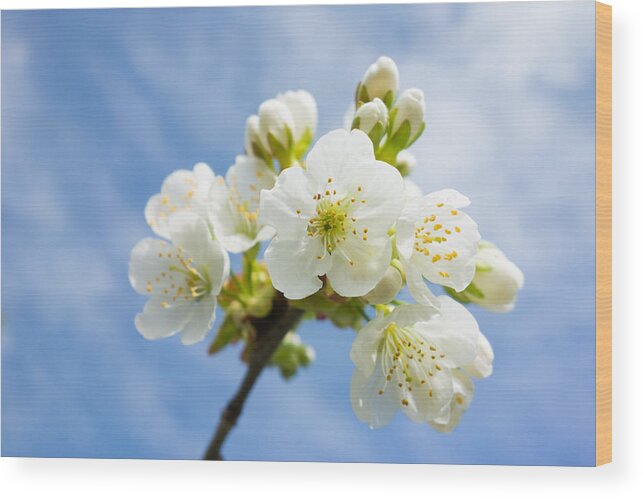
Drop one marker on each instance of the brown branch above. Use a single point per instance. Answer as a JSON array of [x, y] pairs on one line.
[[270, 331]]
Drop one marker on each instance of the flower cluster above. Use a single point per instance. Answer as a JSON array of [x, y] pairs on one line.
[[345, 232]]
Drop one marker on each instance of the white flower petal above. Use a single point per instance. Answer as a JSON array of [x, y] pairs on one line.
[[383, 192], [160, 319], [366, 344], [427, 400], [200, 322], [462, 396], [358, 266], [418, 287], [145, 264], [411, 189], [482, 365], [340, 155], [294, 266], [450, 197], [288, 205], [455, 333], [410, 314], [370, 407]]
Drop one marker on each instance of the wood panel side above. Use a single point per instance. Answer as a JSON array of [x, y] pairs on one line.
[[603, 234]]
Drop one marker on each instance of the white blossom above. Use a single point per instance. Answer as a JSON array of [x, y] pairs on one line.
[[332, 218], [182, 279], [438, 241], [406, 360], [234, 204], [183, 192]]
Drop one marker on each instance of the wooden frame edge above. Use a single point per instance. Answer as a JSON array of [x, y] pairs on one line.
[[603, 233]]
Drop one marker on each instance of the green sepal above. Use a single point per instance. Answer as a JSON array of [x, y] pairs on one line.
[[355, 123], [251, 253], [473, 291], [400, 139], [388, 99], [458, 296], [302, 145], [417, 135], [342, 312], [357, 91], [377, 133], [228, 332], [283, 154], [466, 294], [361, 96], [259, 151], [482, 268]]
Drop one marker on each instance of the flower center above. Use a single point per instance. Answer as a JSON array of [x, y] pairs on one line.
[[246, 219], [330, 222], [408, 362], [181, 282]]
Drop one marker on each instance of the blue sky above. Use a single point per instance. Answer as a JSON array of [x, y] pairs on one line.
[[98, 106]]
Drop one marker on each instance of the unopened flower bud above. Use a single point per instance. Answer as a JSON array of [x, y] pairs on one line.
[[303, 108], [381, 80], [405, 162], [253, 142], [496, 282], [387, 288], [291, 355], [276, 126], [372, 119], [407, 118]]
